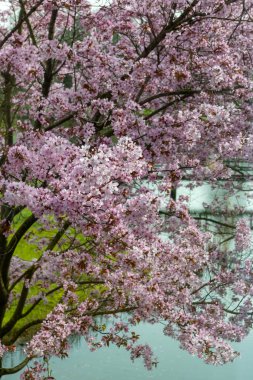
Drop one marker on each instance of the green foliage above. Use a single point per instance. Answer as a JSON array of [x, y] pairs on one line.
[[28, 250]]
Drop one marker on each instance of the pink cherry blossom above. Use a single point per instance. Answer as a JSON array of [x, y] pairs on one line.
[[104, 113]]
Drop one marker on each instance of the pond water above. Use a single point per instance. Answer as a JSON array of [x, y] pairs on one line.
[[175, 364]]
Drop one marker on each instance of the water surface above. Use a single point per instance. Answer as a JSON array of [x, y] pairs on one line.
[[174, 364]]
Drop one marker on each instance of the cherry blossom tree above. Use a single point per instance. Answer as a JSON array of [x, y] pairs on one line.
[[97, 109]]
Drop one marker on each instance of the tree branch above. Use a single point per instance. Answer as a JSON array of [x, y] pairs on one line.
[[33, 306], [10, 249], [20, 22], [20, 306], [112, 312], [20, 233], [58, 236], [17, 368], [214, 221], [59, 122], [167, 29], [164, 107], [21, 331], [27, 21]]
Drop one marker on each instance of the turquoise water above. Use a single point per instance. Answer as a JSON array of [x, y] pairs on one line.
[[174, 364]]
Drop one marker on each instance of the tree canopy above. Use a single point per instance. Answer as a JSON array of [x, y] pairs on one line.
[[98, 108]]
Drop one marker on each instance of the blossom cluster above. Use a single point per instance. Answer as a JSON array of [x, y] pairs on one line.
[[104, 113]]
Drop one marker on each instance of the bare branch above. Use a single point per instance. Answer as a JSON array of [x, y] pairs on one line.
[[21, 331], [17, 368]]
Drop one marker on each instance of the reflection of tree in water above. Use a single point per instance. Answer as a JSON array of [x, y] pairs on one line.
[[218, 208], [225, 209]]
